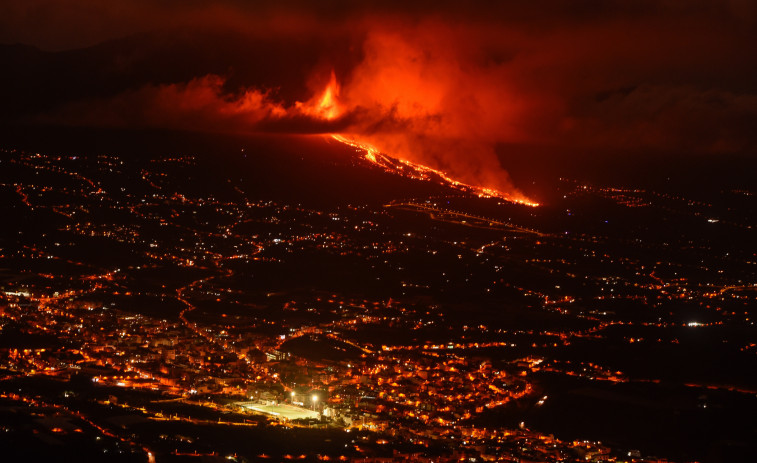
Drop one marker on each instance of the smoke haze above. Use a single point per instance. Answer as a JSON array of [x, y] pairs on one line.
[[436, 83]]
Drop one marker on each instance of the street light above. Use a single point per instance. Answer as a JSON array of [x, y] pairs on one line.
[[315, 399], [292, 396]]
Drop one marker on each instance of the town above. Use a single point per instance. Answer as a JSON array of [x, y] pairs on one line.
[[424, 328]]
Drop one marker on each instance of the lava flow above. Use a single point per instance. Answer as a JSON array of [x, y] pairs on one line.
[[421, 172]]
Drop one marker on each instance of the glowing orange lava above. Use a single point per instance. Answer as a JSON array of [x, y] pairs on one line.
[[329, 105], [421, 172], [326, 106]]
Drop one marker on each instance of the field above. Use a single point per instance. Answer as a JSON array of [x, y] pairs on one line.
[[289, 412]]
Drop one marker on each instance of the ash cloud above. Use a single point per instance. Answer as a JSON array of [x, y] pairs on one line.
[[200, 104]]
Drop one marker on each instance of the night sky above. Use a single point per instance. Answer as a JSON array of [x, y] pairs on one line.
[[441, 83]]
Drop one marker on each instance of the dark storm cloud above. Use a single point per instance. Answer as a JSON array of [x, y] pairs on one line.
[[51, 24]]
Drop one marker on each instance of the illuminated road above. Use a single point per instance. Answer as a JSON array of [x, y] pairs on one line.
[[445, 215]]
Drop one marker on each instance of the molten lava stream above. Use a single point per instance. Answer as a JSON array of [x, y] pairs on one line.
[[374, 156]]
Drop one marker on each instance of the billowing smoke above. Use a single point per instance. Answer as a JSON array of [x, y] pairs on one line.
[[201, 104], [425, 94]]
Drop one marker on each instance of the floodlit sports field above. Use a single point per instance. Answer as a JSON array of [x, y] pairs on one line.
[[289, 412]]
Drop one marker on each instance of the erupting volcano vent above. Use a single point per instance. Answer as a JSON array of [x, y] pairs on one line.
[[327, 106]]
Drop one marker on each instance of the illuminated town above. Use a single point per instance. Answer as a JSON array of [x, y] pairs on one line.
[[145, 317], [378, 231]]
